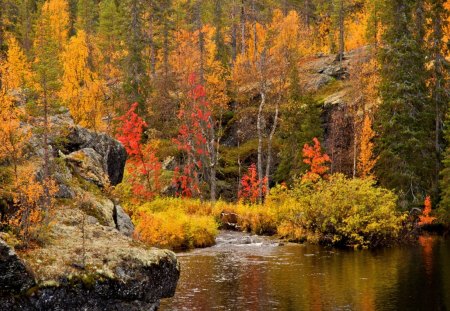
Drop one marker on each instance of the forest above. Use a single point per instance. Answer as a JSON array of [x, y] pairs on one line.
[[317, 120]]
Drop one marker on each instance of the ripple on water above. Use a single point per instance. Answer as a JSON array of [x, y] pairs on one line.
[[236, 276]]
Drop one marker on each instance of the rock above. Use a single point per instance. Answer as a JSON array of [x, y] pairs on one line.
[[336, 98], [14, 275], [334, 70], [113, 154], [101, 208], [87, 163], [67, 137], [229, 220], [117, 273], [91, 220], [123, 221]]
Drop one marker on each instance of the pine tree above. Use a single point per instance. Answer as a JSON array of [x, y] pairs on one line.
[[403, 120]]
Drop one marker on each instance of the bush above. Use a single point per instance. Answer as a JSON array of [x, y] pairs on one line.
[[341, 212], [175, 223]]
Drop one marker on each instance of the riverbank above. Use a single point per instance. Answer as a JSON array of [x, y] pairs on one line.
[[337, 211]]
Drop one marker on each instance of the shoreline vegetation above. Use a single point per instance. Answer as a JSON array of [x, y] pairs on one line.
[[338, 212]]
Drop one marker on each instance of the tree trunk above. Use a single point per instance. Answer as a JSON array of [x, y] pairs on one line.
[[260, 142], [201, 40], [269, 144], [341, 30], [242, 28]]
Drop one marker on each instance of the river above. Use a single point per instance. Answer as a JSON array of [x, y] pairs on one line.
[[244, 272]]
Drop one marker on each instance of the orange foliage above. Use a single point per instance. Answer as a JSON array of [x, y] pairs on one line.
[[425, 218], [366, 158], [313, 156], [250, 185], [34, 204]]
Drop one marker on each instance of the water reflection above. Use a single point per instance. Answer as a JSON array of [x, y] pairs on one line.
[[265, 276]]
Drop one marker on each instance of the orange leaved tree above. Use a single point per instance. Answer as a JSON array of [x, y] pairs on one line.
[[425, 218], [313, 156], [250, 184], [143, 166]]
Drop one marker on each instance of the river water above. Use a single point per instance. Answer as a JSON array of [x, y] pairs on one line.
[[244, 272]]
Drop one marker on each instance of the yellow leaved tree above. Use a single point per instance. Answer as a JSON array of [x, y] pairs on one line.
[[367, 160], [82, 91]]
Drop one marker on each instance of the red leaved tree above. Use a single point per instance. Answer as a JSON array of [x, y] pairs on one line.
[[313, 156], [425, 218], [250, 184], [197, 140], [143, 166]]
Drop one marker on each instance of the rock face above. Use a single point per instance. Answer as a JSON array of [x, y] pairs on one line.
[[87, 163], [137, 283], [112, 154], [123, 221], [14, 276]]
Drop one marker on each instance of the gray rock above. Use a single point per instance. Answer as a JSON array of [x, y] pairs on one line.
[[140, 286], [87, 163], [112, 152], [123, 221], [100, 208], [14, 275]]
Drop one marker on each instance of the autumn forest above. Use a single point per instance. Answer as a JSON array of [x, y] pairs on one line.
[[316, 120]]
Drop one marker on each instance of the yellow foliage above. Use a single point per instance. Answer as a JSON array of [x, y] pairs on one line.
[[16, 71], [34, 202], [55, 16], [82, 91], [366, 160], [175, 229], [12, 136]]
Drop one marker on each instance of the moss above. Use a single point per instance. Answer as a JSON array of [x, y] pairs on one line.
[[331, 88]]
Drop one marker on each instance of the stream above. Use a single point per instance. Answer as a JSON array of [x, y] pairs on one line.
[[245, 272]]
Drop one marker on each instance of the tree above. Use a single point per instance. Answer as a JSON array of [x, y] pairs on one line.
[[425, 218], [198, 142], [366, 160], [403, 118], [143, 166], [82, 90], [15, 73], [51, 35], [250, 186], [136, 84], [313, 156]]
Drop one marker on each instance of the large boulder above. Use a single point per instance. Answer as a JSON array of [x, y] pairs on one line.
[[112, 153], [86, 267], [87, 163], [14, 275], [123, 221]]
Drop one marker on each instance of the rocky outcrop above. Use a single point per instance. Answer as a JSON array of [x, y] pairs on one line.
[[88, 164], [123, 221], [97, 157], [111, 271], [90, 261], [112, 154], [14, 275]]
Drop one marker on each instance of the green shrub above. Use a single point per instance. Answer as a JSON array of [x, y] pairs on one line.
[[341, 212]]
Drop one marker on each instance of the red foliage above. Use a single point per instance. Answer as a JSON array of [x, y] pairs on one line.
[[143, 166], [425, 218], [313, 156], [195, 118], [250, 185]]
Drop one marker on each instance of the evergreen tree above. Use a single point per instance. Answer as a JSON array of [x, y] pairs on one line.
[[404, 122]]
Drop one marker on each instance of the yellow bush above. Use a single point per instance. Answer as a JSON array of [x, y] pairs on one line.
[[340, 211], [175, 223]]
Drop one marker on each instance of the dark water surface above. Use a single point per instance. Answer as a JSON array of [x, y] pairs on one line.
[[262, 275]]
